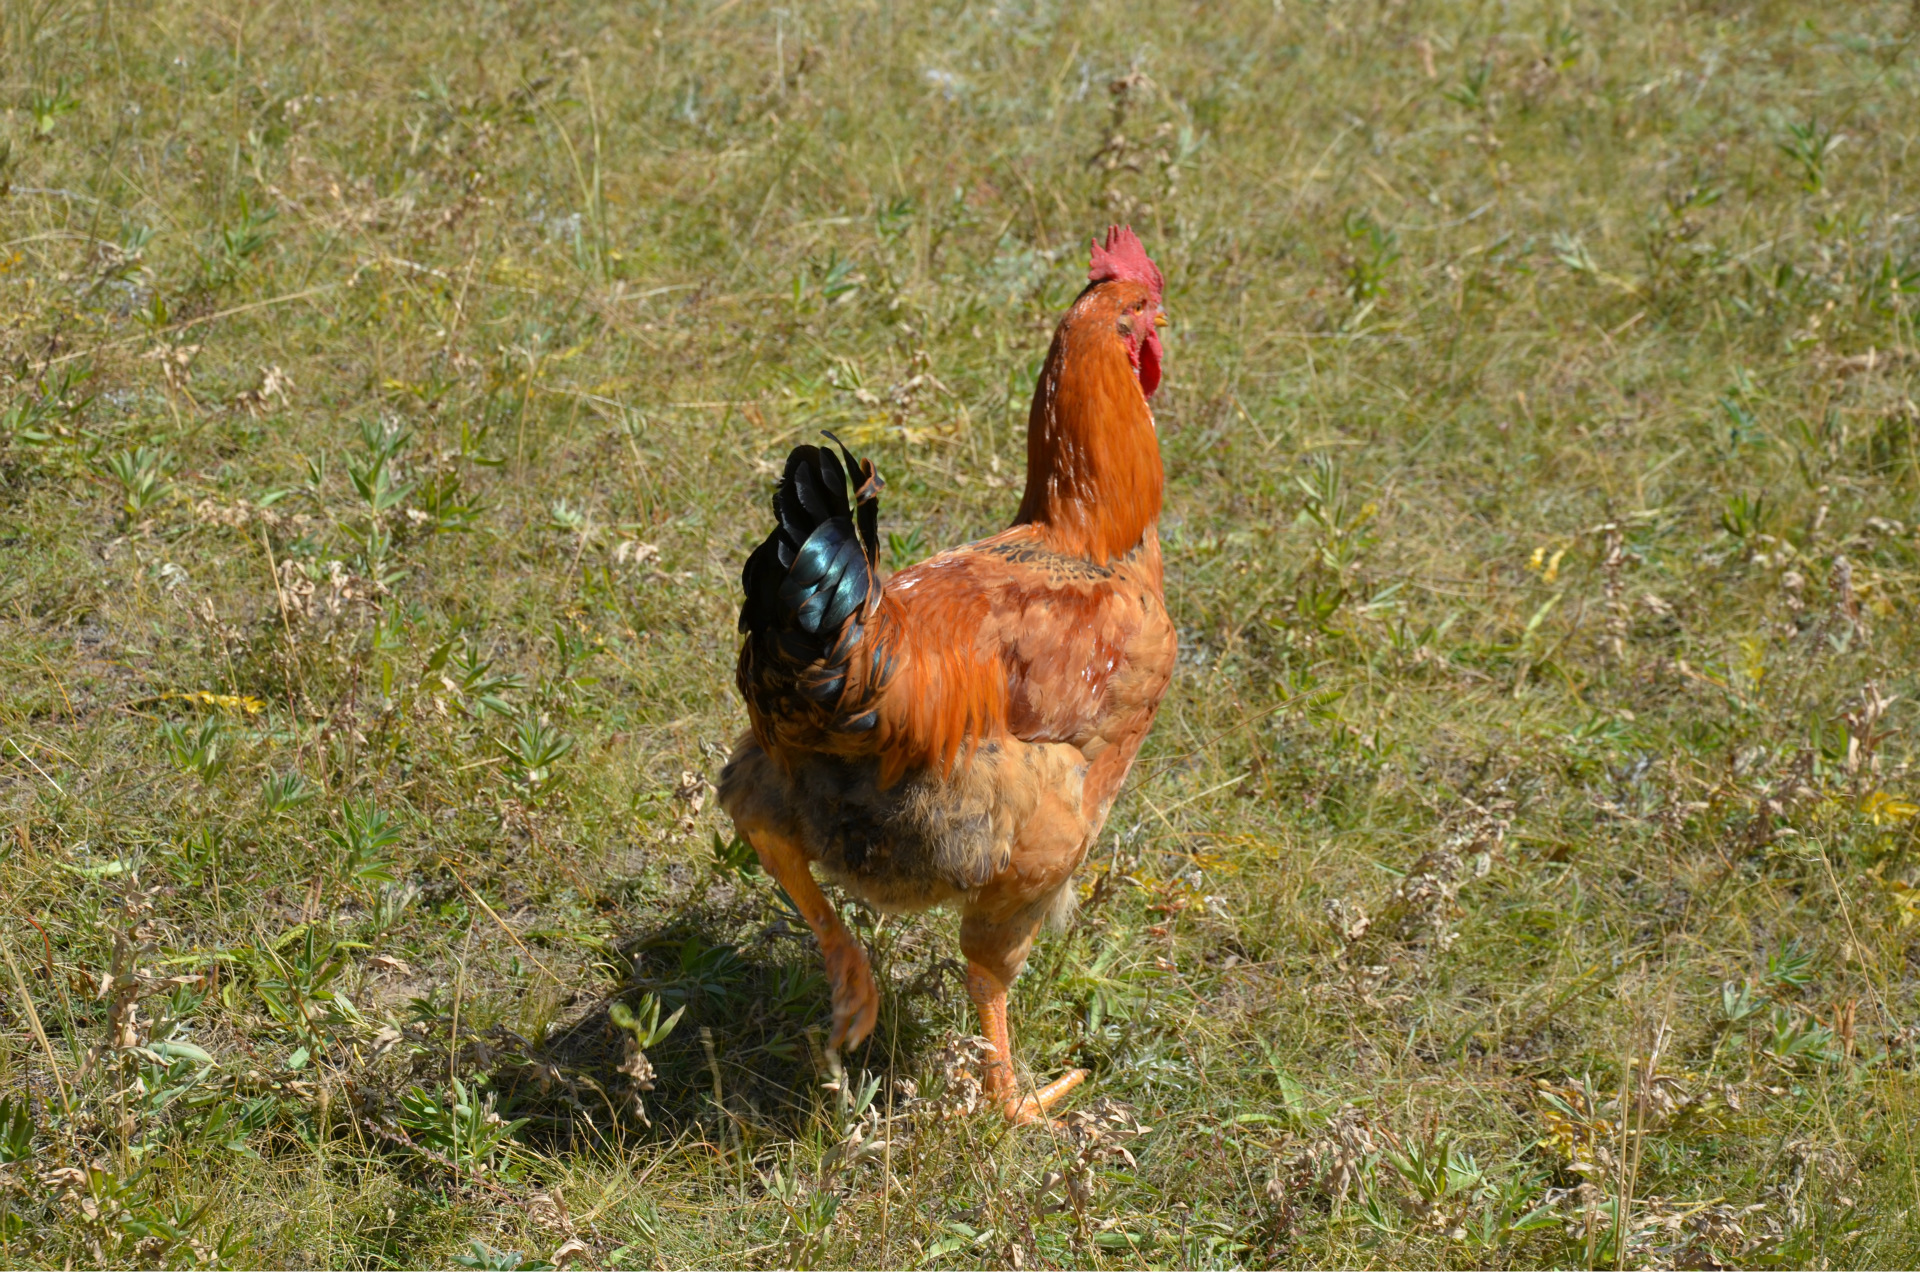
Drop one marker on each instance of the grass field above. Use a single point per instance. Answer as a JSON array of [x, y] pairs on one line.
[[1524, 870]]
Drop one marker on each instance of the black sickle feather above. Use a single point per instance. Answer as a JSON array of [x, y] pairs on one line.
[[880, 665], [795, 646], [866, 498], [811, 491], [808, 583], [868, 519], [823, 689], [833, 480], [841, 650], [810, 564], [758, 578], [788, 505], [822, 603]]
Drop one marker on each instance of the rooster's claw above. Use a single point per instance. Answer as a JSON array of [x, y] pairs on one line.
[[856, 999], [1029, 1109]]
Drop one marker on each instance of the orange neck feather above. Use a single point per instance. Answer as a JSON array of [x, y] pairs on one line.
[[1094, 478]]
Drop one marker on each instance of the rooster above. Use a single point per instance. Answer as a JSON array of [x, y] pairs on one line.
[[956, 733]]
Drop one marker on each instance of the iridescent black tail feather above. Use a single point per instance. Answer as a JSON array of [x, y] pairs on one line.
[[810, 585]]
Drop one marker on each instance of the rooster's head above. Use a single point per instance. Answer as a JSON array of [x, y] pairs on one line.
[[1125, 259]]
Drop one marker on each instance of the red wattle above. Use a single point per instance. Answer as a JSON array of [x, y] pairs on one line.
[[1149, 363]]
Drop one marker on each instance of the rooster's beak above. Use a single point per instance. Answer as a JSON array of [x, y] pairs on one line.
[[1161, 320]]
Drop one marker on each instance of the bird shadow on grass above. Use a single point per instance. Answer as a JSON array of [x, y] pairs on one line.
[[744, 1061]]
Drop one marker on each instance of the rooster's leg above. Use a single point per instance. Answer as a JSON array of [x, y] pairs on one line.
[[856, 999], [988, 990], [989, 996]]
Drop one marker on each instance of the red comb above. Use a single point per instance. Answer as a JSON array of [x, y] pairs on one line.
[[1124, 257]]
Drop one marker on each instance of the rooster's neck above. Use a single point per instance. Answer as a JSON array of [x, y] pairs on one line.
[[1093, 458]]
